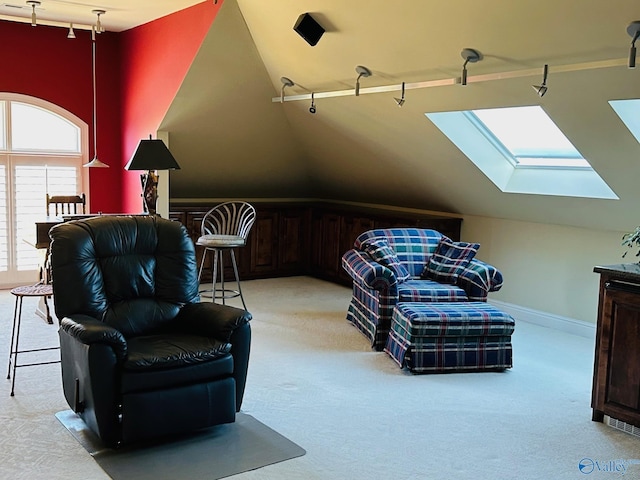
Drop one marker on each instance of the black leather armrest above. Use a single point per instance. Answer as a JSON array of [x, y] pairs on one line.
[[89, 330], [212, 319]]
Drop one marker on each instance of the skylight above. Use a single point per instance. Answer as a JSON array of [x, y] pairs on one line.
[[628, 111], [521, 150], [539, 143]]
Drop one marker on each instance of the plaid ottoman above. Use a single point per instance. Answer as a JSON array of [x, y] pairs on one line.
[[451, 336]]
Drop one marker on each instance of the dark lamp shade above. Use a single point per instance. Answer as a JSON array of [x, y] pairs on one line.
[[152, 155]]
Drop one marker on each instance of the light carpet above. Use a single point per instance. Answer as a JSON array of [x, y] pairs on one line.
[[314, 379], [214, 453]]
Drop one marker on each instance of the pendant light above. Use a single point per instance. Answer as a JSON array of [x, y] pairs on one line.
[[95, 163]]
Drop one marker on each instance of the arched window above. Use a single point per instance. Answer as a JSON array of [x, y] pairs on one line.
[[42, 150]]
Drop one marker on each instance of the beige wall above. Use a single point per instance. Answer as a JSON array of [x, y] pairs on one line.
[[548, 268]]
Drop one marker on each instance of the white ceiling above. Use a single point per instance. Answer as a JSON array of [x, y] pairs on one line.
[[120, 14]]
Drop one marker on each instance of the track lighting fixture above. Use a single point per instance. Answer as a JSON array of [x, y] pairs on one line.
[[634, 32], [469, 55], [34, 4], [400, 101], [71, 33], [286, 82], [362, 72], [312, 108], [542, 88], [99, 28]]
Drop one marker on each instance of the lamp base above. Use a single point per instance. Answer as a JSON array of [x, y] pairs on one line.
[[149, 181]]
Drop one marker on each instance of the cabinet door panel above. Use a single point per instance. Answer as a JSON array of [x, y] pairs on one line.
[[617, 370], [623, 383], [316, 242], [264, 253], [290, 241], [331, 244]]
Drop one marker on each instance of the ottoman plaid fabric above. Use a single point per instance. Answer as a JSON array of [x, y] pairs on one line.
[[456, 336]]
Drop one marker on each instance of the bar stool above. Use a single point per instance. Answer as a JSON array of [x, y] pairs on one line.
[[224, 228], [37, 290]]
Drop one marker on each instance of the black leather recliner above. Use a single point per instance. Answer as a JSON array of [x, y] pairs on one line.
[[141, 357]]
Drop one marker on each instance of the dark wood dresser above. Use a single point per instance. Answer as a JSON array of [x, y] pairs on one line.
[[616, 375]]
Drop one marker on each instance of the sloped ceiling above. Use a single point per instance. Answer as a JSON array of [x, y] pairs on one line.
[[232, 140]]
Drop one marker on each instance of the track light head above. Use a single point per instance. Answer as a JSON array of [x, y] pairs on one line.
[[633, 29], [400, 101], [71, 33], [312, 108], [542, 88], [469, 55], [286, 82], [99, 28], [34, 4], [362, 72]]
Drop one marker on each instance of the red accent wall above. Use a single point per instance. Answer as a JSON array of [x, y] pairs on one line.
[[41, 62], [155, 59], [138, 73]]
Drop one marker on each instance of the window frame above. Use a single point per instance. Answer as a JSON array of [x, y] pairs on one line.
[[11, 159]]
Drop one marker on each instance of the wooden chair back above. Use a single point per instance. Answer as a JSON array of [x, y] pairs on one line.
[[66, 204]]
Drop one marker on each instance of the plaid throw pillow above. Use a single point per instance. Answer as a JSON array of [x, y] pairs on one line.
[[449, 259], [381, 252]]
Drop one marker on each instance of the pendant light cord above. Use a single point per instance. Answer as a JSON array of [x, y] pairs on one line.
[[95, 111]]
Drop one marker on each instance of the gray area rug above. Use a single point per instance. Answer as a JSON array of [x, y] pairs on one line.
[[217, 452]]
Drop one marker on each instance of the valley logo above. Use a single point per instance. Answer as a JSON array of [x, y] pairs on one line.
[[620, 465]]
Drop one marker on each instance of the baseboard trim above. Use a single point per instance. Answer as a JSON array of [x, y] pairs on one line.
[[549, 320]]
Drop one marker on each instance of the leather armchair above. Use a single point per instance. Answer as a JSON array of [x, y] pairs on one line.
[[142, 358]]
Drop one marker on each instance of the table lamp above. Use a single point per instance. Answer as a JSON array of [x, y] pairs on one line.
[[151, 155]]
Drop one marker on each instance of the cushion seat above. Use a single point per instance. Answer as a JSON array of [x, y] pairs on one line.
[[453, 320], [220, 241], [133, 381], [430, 291], [157, 352]]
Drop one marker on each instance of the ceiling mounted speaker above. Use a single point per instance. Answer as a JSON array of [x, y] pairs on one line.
[[308, 29]]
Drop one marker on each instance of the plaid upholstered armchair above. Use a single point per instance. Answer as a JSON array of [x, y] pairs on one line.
[[411, 265]]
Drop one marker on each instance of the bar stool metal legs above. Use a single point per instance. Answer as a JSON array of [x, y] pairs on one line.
[[223, 293], [38, 290]]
